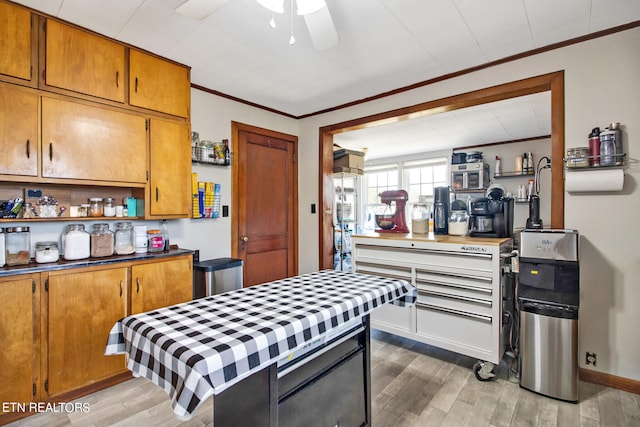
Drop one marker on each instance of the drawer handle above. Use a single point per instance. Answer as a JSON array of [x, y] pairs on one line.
[[455, 297], [375, 273], [51, 151], [399, 268], [120, 287], [117, 78], [136, 88], [28, 149], [487, 291], [473, 316], [157, 194], [428, 251], [456, 275]]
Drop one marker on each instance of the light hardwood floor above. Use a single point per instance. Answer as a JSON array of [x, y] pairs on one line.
[[413, 384]]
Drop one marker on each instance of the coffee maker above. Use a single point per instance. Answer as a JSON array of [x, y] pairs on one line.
[[441, 210], [491, 216]]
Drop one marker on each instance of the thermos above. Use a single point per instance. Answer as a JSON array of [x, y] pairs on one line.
[[441, 210], [594, 147]]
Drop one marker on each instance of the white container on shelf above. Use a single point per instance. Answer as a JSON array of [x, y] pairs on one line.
[[76, 242], [140, 238]]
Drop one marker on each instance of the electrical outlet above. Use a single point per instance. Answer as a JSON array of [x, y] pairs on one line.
[[590, 358]]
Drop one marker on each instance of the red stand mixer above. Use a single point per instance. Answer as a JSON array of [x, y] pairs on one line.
[[396, 222]]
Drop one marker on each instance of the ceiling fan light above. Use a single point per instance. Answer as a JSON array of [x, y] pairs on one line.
[[306, 7], [276, 6]]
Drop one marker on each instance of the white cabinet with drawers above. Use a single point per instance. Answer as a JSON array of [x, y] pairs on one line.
[[459, 282]]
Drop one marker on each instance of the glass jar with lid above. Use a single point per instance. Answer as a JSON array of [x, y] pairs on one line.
[[96, 206], [76, 242], [420, 216], [458, 222], [101, 241], [17, 245], [124, 241], [109, 208], [47, 252]]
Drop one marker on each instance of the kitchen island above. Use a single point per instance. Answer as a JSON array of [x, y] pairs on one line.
[[464, 293], [281, 353]]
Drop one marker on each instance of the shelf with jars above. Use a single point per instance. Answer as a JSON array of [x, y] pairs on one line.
[[579, 161], [210, 153]]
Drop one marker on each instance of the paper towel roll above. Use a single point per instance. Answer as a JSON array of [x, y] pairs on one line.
[[594, 180]]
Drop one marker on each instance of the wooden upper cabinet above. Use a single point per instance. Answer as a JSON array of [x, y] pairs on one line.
[[158, 85], [15, 42], [169, 168], [18, 131], [85, 142], [83, 62]]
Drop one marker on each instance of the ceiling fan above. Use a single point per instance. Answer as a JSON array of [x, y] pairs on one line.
[[315, 12]]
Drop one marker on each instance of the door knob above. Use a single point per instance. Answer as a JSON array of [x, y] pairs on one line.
[[244, 239]]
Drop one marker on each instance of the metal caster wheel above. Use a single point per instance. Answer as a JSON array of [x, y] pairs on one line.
[[484, 371]]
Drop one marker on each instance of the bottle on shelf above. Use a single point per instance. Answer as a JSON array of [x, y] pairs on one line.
[[164, 227]]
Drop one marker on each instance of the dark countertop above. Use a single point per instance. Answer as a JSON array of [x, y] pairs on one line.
[[34, 267]]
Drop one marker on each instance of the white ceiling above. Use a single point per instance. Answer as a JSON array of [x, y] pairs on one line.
[[383, 44]]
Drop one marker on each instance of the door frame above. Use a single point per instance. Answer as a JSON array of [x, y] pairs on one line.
[[236, 128], [552, 82]]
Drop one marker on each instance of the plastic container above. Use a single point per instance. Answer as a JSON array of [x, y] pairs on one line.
[[17, 246], [155, 241], [102, 241], [124, 239], [47, 252], [607, 148], [140, 238], [109, 207], [578, 157], [96, 207], [76, 242]]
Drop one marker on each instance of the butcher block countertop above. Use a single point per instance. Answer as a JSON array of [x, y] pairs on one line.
[[436, 238]]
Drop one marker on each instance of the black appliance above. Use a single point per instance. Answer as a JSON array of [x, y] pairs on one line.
[[441, 210], [549, 299], [491, 217]]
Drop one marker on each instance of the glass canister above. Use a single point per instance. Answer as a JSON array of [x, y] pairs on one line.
[[109, 208], [76, 242], [101, 241], [156, 242], [47, 252], [96, 207], [124, 241], [17, 245], [458, 222], [420, 216]]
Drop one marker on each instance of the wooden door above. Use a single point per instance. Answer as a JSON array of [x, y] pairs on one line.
[[18, 324], [158, 84], [83, 62], [15, 41], [170, 169], [80, 141], [265, 221], [18, 132], [161, 284], [82, 308]]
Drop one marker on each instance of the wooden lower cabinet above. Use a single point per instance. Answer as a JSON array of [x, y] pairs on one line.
[[82, 307], [161, 283], [19, 335]]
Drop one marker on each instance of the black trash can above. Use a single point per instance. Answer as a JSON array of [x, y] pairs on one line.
[[215, 276]]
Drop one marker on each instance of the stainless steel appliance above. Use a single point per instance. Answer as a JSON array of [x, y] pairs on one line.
[[470, 176], [549, 298], [215, 276]]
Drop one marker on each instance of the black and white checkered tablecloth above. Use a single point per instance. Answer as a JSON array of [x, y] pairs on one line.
[[202, 347]]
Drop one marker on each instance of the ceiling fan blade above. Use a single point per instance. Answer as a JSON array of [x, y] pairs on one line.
[[199, 9], [323, 32]]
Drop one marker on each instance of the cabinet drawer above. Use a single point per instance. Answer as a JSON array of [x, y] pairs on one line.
[[459, 303], [455, 283], [456, 330], [479, 262], [385, 270], [394, 316]]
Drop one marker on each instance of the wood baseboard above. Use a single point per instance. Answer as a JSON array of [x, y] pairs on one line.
[[608, 380]]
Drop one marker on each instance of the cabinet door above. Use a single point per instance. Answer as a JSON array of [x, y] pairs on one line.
[[83, 306], [18, 132], [84, 142], [15, 41], [83, 62], [160, 284], [158, 84], [170, 169], [18, 358]]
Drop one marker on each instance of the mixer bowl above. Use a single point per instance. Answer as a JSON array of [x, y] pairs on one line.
[[385, 222]]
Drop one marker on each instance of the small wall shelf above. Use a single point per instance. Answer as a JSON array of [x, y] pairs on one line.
[[511, 174]]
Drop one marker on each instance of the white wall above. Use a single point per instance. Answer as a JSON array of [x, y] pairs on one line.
[[602, 84]]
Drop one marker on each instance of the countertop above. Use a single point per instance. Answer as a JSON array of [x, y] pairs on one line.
[[34, 267], [436, 238]]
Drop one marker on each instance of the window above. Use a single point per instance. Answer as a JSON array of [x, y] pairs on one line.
[[422, 176]]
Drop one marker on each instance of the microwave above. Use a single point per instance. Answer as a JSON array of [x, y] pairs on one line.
[[470, 176]]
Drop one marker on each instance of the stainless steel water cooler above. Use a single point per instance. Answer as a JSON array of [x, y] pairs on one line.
[[549, 298], [215, 276]]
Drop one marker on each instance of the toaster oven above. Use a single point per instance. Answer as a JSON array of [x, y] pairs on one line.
[[470, 176]]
